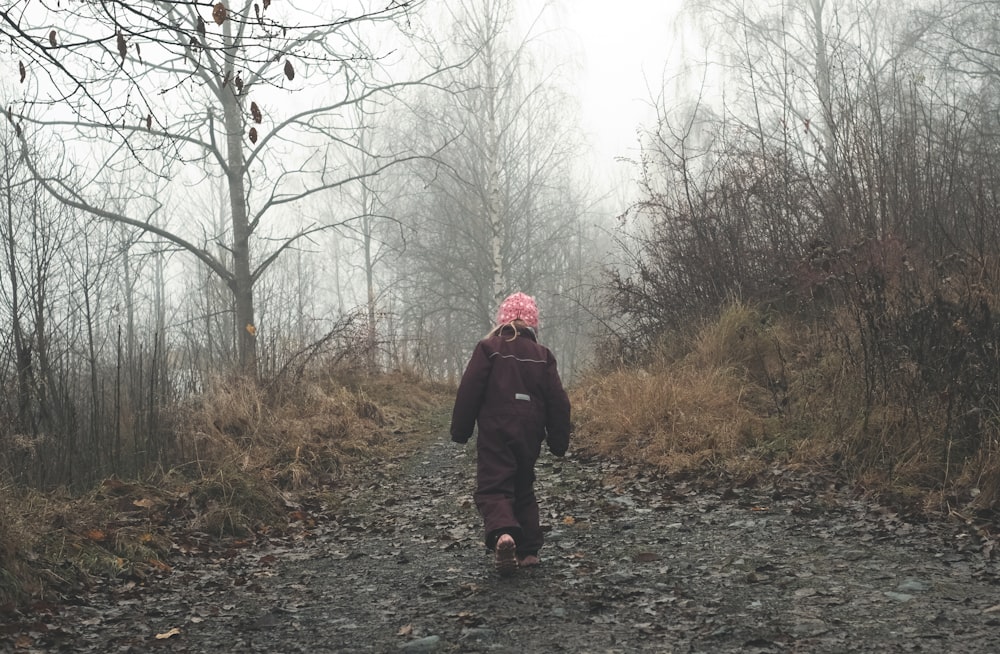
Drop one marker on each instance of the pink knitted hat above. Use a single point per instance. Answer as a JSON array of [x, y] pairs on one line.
[[518, 307]]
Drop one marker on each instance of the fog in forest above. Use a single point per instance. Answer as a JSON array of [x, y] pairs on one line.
[[195, 190]]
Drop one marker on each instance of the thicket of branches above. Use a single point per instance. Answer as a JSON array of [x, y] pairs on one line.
[[197, 193], [99, 365], [502, 205], [851, 185], [767, 202], [159, 191]]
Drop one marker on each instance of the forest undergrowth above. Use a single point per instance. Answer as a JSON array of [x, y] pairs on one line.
[[753, 391], [242, 464], [747, 394]]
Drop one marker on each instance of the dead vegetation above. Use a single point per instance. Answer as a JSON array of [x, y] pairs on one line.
[[753, 390], [243, 463], [702, 404]]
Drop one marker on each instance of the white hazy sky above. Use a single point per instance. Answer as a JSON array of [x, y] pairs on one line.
[[627, 46], [623, 51]]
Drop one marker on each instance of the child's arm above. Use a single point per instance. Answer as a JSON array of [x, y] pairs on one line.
[[557, 411], [470, 394]]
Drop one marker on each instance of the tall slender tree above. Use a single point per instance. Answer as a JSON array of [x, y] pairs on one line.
[[497, 210]]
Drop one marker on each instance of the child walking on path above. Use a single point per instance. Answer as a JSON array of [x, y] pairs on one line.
[[512, 389]]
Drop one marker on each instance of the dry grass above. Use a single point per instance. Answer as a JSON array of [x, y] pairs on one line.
[[675, 418], [746, 392], [15, 578], [304, 436], [721, 399], [242, 457], [56, 543], [708, 407]]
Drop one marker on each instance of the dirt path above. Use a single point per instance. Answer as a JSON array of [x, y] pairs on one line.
[[632, 564]]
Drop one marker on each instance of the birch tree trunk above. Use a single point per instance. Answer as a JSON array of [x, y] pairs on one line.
[[494, 218]]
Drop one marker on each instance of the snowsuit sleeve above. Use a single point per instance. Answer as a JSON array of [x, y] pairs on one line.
[[558, 425], [471, 391]]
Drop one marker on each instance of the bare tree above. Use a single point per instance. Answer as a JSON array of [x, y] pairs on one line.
[[55, 289], [175, 86], [17, 197], [372, 229], [499, 208]]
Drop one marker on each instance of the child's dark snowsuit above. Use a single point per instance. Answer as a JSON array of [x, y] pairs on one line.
[[512, 388]]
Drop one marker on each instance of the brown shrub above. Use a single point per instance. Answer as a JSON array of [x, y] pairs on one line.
[[902, 406], [677, 418]]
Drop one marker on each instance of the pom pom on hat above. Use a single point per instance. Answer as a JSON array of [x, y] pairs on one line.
[[518, 307]]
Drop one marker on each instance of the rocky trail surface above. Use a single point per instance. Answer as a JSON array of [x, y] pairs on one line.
[[632, 563]]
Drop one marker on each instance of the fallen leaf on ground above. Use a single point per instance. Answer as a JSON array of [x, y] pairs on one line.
[[168, 634], [95, 535]]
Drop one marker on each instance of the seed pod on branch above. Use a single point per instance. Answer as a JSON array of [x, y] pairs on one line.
[[22, 70], [219, 13], [122, 48], [289, 71], [255, 112], [52, 38], [253, 135]]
